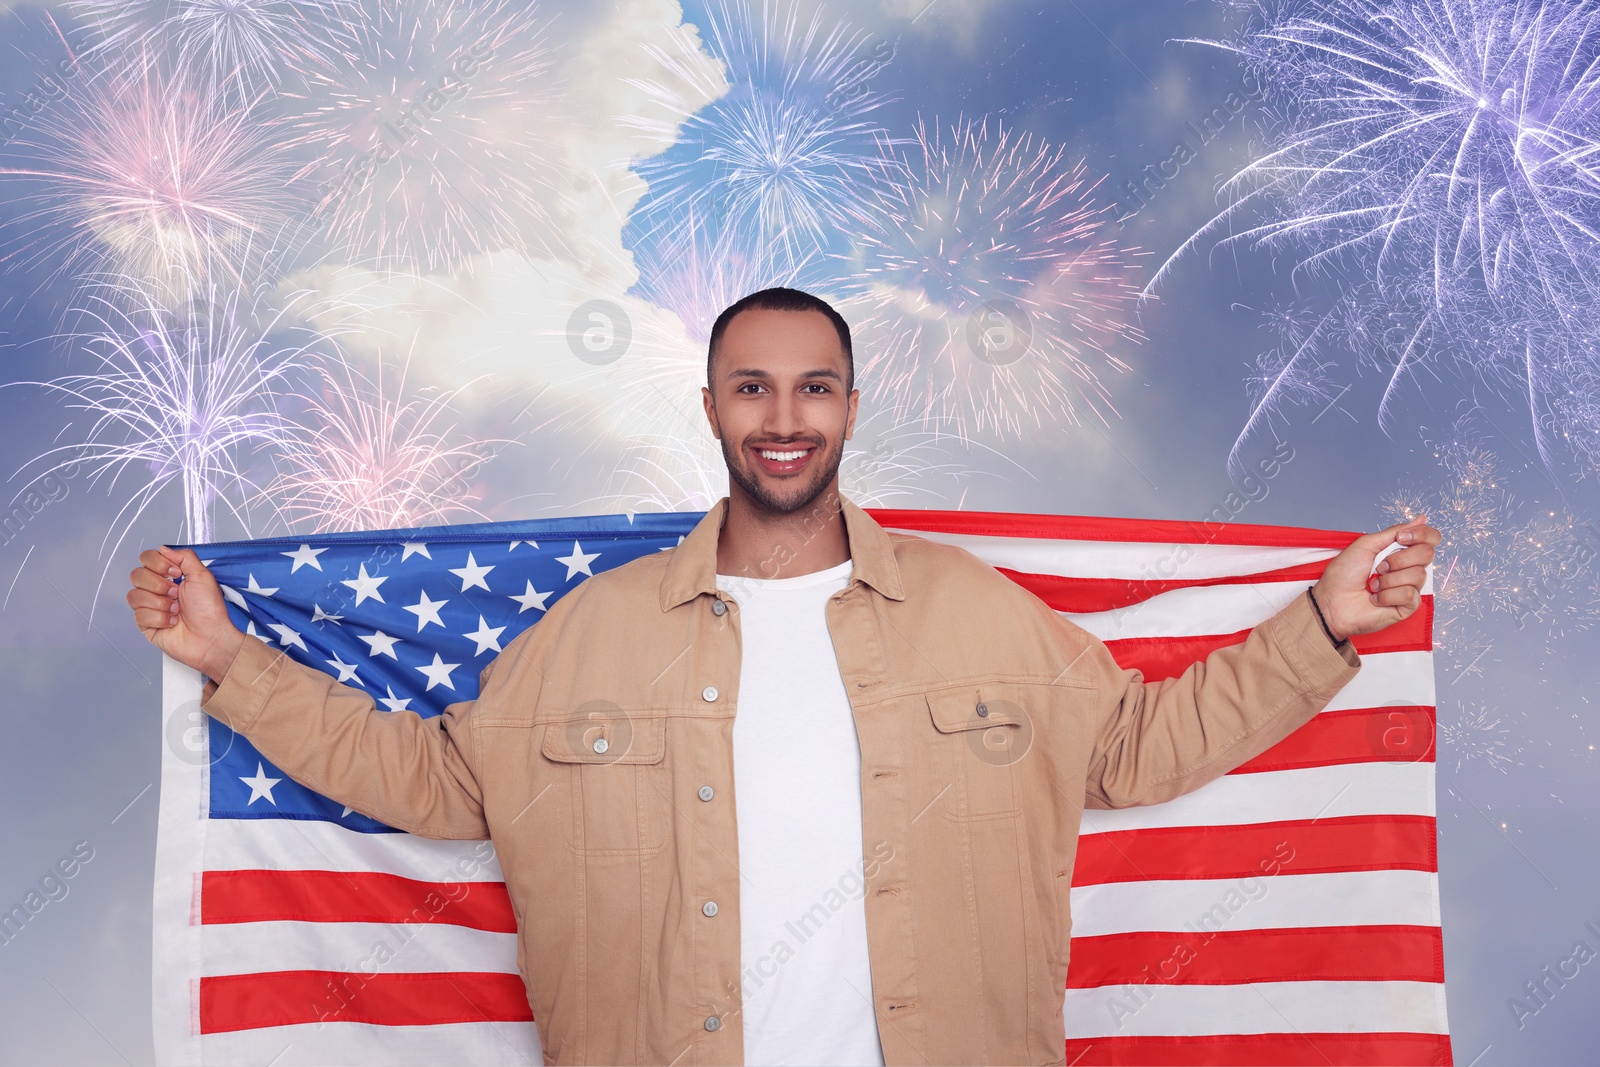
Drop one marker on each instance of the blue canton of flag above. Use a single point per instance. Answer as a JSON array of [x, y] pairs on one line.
[[411, 617]]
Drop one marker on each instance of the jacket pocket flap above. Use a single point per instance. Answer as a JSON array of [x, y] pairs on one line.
[[603, 739], [957, 708]]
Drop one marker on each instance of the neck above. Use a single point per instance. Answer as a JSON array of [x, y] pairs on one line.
[[757, 542]]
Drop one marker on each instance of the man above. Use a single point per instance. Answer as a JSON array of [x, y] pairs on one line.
[[891, 889]]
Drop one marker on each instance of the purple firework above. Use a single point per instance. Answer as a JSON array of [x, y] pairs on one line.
[[1447, 150]]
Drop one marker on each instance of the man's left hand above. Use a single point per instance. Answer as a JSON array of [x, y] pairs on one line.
[[1357, 598]]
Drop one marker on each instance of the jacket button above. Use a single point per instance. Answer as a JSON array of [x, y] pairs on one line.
[[713, 1023], [709, 692], [706, 792], [718, 607], [601, 744], [983, 709], [709, 907]]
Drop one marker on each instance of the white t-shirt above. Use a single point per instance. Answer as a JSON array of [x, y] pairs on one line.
[[807, 987]]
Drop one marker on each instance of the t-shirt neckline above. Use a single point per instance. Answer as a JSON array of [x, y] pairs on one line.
[[798, 581]]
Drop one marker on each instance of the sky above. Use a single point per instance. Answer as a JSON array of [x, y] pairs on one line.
[[578, 186]]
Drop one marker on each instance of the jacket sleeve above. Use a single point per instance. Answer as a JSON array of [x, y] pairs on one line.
[[413, 773], [1157, 740]]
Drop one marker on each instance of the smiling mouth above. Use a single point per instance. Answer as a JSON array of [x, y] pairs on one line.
[[783, 460]]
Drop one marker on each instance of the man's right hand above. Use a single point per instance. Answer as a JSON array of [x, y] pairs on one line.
[[187, 620]]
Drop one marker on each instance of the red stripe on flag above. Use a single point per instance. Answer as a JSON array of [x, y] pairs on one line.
[[284, 998], [1316, 846], [1356, 735], [1091, 528], [1235, 957], [1264, 1050], [352, 897], [1085, 595], [1168, 657]]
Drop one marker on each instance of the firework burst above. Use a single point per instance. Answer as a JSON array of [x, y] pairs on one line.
[[987, 289], [1456, 137], [148, 177], [1477, 734], [249, 45], [698, 268], [787, 154], [178, 398], [367, 457], [1449, 149], [424, 134]]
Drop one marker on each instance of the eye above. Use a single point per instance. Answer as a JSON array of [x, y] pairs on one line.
[[818, 385], [748, 385]]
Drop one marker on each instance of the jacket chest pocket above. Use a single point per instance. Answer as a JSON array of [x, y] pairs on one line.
[[611, 765], [980, 733]]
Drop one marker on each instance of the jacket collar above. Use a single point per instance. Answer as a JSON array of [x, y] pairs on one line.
[[692, 568]]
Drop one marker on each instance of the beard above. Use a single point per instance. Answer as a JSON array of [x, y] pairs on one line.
[[791, 496]]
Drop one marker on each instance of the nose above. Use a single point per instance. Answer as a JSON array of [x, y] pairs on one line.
[[784, 418]]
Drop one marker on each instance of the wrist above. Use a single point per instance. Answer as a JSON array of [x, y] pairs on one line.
[[1327, 627], [219, 657]]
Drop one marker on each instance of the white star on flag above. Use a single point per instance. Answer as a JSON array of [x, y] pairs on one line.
[[426, 610], [287, 636], [253, 587], [414, 548], [530, 599], [486, 636], [232, 594], [346, 671], [394, 703], [438, 672], [365, 585], [303, 555], [318, 615], [381, 644], [260, 786], [472, 574], [579, 561], [514, 544]]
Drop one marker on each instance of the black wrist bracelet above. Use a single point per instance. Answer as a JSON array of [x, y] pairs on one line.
[[1322, 619]]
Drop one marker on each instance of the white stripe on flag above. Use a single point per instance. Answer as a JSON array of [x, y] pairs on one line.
[[1389, 679], [1277, 796], [1147, 561], [480, 1044], [1270, 902], [1265, 1008], [309, 845], [331, 946]]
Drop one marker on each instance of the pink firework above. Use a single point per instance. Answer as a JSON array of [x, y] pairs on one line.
[[990, 294], [423, 134], [250, 45], [371, 457], [147, 177]]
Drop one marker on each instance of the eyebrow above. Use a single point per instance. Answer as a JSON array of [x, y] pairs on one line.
[[756, 372]]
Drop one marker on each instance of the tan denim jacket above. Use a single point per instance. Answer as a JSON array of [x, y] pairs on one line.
[[612, 850]]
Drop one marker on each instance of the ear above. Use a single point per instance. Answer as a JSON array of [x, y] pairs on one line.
[[711, 413], [850, 420]]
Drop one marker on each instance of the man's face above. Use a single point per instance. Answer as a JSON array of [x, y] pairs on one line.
[[778, 404]]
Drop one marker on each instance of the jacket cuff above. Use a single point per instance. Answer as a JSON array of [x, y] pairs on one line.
[[1321, 666], [239, 696]]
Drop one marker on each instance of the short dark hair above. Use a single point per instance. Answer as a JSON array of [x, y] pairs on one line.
[[780, 298]]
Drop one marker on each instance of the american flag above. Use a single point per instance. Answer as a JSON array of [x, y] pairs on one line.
[[1286, 913]]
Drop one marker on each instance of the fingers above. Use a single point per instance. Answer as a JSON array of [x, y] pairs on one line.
[[139, 598], [1401, 596], [1415, 556], [187, 562], [1378, 541], [145, 578], [1410, 577], [153, 618], [154, 561]]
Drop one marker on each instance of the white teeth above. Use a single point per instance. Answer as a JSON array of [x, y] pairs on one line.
[[781, 457]]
